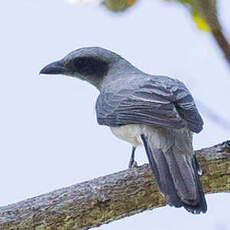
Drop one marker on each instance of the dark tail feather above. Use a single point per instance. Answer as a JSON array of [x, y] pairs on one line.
[[202, 205], [162, 175], [177, 178]]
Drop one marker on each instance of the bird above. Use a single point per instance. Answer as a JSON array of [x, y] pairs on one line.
[[155, 111]]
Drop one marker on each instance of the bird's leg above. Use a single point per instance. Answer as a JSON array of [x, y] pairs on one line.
[[132, 162]]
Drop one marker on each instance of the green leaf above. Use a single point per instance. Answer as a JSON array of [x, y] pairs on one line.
[[200, 22], [119, 5]]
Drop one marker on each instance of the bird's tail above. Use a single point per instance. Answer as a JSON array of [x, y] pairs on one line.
[[176, 170]]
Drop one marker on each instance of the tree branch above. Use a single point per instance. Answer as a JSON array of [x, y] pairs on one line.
[[109, 198], [208, 9]]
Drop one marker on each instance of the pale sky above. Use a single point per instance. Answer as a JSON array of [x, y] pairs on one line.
[[49, 134]]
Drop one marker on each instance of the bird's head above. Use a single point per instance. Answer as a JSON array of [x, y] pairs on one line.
[[91, 64]]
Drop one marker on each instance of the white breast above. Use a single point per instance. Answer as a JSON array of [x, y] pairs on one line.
[[130, 133]]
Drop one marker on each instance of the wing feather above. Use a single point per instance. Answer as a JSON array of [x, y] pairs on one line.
[[158, 101]]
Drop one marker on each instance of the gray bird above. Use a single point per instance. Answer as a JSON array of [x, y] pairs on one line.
[[156, 111]]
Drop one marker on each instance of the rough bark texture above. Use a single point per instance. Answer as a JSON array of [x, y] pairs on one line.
[[108, 198]]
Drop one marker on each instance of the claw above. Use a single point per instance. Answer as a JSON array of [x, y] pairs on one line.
[[132, 162]]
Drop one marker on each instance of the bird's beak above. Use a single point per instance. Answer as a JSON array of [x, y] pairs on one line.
[[57, 67]]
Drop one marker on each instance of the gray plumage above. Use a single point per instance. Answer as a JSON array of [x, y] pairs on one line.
[[156, 111]]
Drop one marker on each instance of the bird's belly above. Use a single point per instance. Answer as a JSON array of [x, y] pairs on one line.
[[130, 133]]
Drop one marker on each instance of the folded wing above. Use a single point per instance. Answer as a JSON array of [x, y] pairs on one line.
[[155, 100]]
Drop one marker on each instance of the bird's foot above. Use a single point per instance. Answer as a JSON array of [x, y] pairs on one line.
[[132, 164]]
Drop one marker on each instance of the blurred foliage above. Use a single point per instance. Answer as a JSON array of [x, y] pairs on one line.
[[200, 22], [193, 6], [118, 5], [203, 13], [196, 9]]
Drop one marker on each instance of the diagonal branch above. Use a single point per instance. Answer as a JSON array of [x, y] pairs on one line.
[[109, 198], [208, 9]]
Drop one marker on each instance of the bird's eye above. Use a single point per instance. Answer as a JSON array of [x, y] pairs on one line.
[[89, 66], [78, 63]]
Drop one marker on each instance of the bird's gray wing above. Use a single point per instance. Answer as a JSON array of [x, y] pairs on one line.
[[187, 109], [157, 100]]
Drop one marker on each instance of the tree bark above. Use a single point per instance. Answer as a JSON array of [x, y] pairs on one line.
[[108, 198]]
